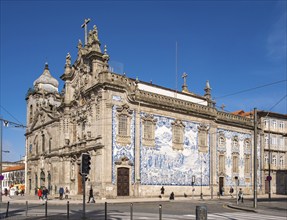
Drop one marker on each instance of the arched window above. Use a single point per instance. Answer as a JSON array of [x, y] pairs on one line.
[[31, 114], [221, 141], [42, 178], [43, 143]]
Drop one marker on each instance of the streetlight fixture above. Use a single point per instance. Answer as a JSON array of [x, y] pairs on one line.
[[201, 194]]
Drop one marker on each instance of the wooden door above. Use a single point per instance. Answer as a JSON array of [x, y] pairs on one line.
[[123, 182], [80, 184]]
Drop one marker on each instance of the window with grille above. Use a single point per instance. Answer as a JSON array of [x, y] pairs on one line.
[[123, 121], [221, 163], [148, 130], [235, 164], [247, 164], [177, 134]]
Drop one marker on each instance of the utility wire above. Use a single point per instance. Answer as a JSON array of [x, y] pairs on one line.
[[247, 90], [11, 115]]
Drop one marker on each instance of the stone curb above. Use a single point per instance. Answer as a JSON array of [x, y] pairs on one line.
[[241, 208]]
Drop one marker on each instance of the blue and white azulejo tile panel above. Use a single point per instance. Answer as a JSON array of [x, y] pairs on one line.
[[119, 151], [162, 165]]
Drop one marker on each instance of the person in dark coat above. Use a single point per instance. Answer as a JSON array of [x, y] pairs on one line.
[[45, 193], [171, 197], [61, 192], [91, 196], [162, 190]]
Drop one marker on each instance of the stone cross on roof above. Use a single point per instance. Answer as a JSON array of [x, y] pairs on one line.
[[184, 86], [86, 31]]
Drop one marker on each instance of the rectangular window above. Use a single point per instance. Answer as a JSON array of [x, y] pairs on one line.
[[235, 164], [247, 164], [274, 124], [266, 123], [148, 129], [281, 125], [274, 160], [123, 120], [221, 163], [177, 134], [202, 138]]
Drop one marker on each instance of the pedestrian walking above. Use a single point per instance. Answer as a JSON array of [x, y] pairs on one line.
[[40, 193], [61, 192], [45, 193], [91, 196], [240, 195], [162, 191], [231, 191], [67, 193], [171, 197]]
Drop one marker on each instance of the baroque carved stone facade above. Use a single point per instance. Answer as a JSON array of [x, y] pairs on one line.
[[139, 135]]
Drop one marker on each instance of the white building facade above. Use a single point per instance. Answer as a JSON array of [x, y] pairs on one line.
[[140, 136]]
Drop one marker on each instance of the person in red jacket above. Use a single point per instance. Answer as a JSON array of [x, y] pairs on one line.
[[40, 193]]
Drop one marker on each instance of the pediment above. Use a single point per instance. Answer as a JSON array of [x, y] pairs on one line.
[[43, 116]]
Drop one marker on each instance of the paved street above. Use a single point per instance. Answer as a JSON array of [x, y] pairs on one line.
[[146, 208]]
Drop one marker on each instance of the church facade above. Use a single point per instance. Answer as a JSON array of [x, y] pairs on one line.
[[140, 136]]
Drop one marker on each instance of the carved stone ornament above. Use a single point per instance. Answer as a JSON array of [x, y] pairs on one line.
[[124, 161]]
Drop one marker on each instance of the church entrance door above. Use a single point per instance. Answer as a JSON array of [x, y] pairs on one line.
[[80, 184], [123, 182]]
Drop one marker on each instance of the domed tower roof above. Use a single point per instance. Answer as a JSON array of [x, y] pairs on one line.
[[46, 82]]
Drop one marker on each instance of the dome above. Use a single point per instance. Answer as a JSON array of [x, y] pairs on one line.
[[46, 82]]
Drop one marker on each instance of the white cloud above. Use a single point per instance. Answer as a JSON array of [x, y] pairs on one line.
[[276, 40]]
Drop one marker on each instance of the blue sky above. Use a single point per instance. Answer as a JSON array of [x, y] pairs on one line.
[[236, 45]]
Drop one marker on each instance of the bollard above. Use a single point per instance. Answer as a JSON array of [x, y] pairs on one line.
[[7, 210], [68, 210], [201, 213], [26, 208], [160, 212], [46, 209], [131, 211], [106, 206]]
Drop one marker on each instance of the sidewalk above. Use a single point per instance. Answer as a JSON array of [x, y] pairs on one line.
[[277, 203], [78, 200]]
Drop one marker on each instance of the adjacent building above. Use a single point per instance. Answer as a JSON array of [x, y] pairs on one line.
[[272, 137], [140, 136], [13, 175]]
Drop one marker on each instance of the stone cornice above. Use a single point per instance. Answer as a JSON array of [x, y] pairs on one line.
[[68, 153]]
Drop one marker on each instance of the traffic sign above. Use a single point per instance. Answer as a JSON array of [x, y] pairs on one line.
[[1, 177], [269, 178]]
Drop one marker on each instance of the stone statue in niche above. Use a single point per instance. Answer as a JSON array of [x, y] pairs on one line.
[[72, 170]]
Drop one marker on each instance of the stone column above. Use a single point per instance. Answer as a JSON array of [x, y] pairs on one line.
[[213, 143], [137, 152]]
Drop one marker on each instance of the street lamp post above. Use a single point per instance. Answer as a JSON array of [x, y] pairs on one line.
[[192, 183], [201, 194], [236, 184]]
